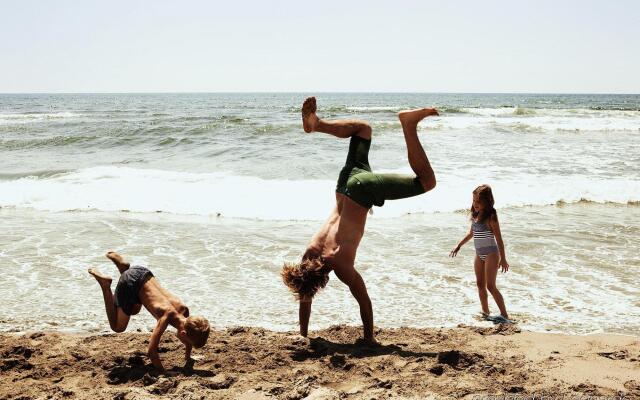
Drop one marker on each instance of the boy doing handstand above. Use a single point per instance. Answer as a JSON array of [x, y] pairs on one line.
[[137, 287]]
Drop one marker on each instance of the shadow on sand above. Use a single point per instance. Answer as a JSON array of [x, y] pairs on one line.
[[320, 347], [135, 369]]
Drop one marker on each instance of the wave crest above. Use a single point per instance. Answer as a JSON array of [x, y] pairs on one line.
[[150, 191]]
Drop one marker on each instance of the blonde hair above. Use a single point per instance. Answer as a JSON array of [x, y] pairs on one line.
[[304, 279], [197, 329]]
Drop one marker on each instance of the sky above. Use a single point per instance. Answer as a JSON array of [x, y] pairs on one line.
[[330, 46]]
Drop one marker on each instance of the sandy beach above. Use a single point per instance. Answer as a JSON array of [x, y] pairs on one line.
[[253, 363]]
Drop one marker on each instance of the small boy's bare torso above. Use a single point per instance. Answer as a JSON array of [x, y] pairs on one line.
[[160, 302]]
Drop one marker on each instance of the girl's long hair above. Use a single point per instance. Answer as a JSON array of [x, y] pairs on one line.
[[485, 195]]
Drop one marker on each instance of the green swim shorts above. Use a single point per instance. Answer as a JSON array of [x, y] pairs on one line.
[[366, 188]]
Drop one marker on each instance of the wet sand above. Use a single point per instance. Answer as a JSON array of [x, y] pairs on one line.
[[254, 363]]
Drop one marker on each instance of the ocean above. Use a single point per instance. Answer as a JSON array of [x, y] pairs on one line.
[[214, 192]]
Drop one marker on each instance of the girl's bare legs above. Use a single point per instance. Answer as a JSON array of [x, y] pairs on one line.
[[481, 282], [340, 128], [491, 264]]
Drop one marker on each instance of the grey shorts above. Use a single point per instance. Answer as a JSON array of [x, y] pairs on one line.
[[128, 288]]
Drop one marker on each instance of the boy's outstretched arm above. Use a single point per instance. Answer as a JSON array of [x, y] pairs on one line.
[[154, 341], [187, 352], [304, 312], [464, 240], [358, 289]]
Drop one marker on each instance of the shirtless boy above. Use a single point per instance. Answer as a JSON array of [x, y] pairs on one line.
[[137, 287], [334, 247]]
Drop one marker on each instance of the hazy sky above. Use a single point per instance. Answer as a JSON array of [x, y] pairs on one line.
[[415, 46]]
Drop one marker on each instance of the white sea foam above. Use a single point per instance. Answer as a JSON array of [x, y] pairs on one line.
[[570, 269], [146, 190], [557, 112], [552, 120], [374, 108], [516, 118], [16, 119]]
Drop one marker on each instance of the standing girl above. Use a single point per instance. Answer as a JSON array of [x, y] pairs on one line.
[[490, 256]]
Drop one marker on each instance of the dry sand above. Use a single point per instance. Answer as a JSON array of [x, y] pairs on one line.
[[253, 363]]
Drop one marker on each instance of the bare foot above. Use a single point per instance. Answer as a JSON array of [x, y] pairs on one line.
[[367, 342], [103, 280], [309, 117], [415, 116], [118, 260]]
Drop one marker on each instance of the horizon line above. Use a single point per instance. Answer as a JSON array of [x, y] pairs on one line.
[[322, 92]]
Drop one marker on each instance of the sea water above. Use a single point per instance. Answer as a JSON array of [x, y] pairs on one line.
[[214, 192]]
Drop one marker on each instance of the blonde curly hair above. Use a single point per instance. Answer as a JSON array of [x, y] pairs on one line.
[[197, 329], [305, 278]]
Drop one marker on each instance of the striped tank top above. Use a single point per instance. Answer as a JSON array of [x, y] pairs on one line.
[[483, 240]]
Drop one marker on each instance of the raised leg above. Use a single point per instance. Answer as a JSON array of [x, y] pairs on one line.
[[417, 157], [338, 128], [118, 320], [119, 261]]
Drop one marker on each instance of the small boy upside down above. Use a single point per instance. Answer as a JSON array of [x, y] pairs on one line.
[[137, 287]]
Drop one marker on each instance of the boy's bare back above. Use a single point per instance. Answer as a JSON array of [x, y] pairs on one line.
[[160, 302]]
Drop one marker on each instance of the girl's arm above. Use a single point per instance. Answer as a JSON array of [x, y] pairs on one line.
[[464, 240], [495, 227]]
